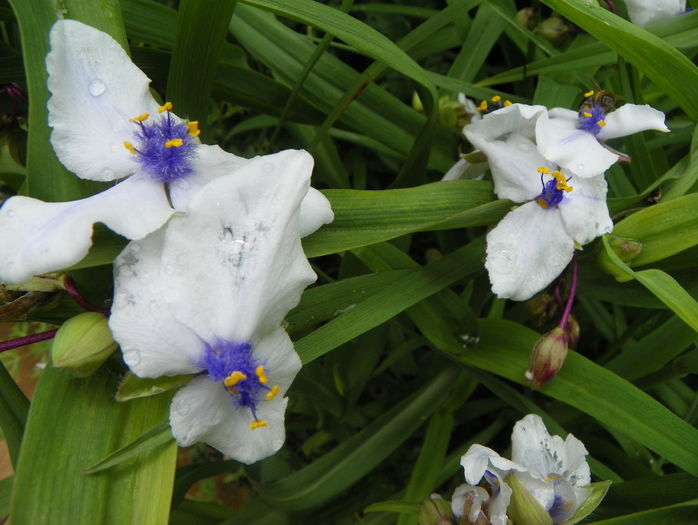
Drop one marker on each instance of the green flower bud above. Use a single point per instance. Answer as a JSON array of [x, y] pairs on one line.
[[626, 249], [523, 508], [548, 356], [526, 17], [552, 29], [435, 512], [82, 344]]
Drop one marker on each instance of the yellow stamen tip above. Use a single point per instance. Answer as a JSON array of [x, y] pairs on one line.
[[129, 147], [261, 375], [272, 393], [586, 114], [589, 93], [542, 203], [496, 98], [258, 423], [601, 123], [174, 143], [139, 118], [234, 378], [507, 103], [543, 169], [482, 106], [193, 126], [167, 106]]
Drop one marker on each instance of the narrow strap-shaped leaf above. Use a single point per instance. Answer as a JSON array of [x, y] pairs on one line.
[[13, 413]]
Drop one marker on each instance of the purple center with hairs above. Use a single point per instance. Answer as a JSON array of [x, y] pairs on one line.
[[550, 194], [160, 162], [226, 357], [591, 124]]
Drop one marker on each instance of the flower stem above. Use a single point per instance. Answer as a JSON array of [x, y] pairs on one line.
[[72, 290], [570, 296], [27, 340]]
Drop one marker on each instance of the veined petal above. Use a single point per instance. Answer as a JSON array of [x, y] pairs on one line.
[[526, 251], [464, 170], [315, 211], [152, 341], [41, 237], [584, 210], [239, 241], [95, 90], [208, 163], [646, 12], [478, 459], [517, 118], [204, 411], [575, 150], [632, 118]]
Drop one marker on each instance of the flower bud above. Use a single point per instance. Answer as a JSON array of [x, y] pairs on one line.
[[572, 331], [626, 249], [82, 344], [548, 356], [526, 17], [523, 507], [552, 29], [467, 504], [435, 511]]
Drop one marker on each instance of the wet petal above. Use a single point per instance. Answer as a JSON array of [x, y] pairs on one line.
[[526, 251], [478, 459], [584, 211], [646, 12], [631, 118], [50, 236], [575, 150], [517, 118], [95, 90], [315, 211], [204, 411], [239, 241], [464, 170], [152, 341]]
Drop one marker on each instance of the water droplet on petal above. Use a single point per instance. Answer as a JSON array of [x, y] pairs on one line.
[[183, 184], [11, 213], [135, 248], [108, 174], [96, 87], [524, 146], [169, 269], [580, 167]]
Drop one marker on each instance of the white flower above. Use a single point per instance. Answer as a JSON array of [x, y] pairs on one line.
[[107, 126], [534, 242], [554, 471], [646, 12], [207, 293], [574, 140]]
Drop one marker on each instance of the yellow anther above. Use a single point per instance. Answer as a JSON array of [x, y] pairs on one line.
[[272, 393], [167, 106], [543, 169], [558, 176], [258, 423], [589, 93], [234, 378], [496, 98], [587, 114], [564, 187], [507, 103], [139, 118], [261, 375], [174, 143], [130, 147], [601, 123], [194, 128], [482, 106], [542, 202]]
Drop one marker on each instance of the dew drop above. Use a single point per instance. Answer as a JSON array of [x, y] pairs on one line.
[[135, 248], [524, 146], [183, 184], [154, 305], [580, 167], [11, 213], [96, 87], [169, 269], [108, 174]]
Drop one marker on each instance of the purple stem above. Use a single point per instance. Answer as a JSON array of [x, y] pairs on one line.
[[570, 296], [611, 6], [27, 340], [72, 290]]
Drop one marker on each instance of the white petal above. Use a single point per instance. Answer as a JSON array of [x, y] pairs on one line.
[[275, 351], [41, 237], [573, 149], [479, 459], [569, 114], [208, 163], [584, 210], [204, 411], [517, 118], [526, 251], [239, 242], [499, 502], [646, 12], [631, 118], [464, 170], [95, 90], [152, 341], [514, 162], [477, 495], [315, 211]]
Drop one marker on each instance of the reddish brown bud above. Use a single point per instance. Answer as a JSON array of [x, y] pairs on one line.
[[548, 356]]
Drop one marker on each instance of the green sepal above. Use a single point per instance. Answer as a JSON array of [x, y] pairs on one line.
[[134, 387], [598, 491], [82, 344]]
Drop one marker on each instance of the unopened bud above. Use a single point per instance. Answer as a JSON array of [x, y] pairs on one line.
[[435, 511], [82, 344], [523, 507], [572, 331], [547, 358], [553, 28], [542, 306], [626, 249], [526, 17], [467, 504], [417, 103]]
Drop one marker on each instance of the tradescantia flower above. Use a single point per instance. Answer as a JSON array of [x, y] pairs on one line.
[[646, 12], [106, 127], [207, 293], [534, 242], [546, 481], [574, 140]]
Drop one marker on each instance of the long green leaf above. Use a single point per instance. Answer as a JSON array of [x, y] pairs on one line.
[[13, 413]]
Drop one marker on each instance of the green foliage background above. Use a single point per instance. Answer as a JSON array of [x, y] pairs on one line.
[[408, 357]]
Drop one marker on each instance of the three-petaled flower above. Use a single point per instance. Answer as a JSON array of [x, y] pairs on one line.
[[207, 294], [646, 12]]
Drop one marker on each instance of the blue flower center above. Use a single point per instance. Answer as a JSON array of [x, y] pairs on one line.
[[164, 145], [591, 118], [244, 377], [554, 190]]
